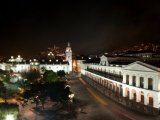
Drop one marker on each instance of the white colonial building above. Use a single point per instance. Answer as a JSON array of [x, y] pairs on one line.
[[20, 65], [137, 81]]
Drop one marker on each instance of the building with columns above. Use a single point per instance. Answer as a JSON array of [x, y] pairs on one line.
[[137, 81]]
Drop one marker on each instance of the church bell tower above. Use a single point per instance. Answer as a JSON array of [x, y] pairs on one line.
[[69, 56]]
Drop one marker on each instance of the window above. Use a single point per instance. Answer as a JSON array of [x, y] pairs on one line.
[[141, 82], [134, 80], [150, 83], [127, 79]]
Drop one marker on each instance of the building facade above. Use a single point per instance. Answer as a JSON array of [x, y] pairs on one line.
[[138, 81], [20, 65]]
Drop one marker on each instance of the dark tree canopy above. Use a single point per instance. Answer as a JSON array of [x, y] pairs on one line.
[[58, 92], [32, 75], [61, 73], [50, 76]]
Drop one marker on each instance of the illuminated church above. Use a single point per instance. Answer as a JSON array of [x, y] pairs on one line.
[[20, 65]]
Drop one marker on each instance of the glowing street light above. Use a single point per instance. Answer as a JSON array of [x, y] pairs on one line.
[[71, 96], [9, 117]]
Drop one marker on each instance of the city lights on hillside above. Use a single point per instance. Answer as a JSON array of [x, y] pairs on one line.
[[50, 54]]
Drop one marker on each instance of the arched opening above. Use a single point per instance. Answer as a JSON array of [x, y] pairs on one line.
[[121, 90], [102, 82], [127, 92], [150, 99], [141, 97], [134, 94], [117, 89], [99, 80], [111, 86], [114, 88], [106, 83]]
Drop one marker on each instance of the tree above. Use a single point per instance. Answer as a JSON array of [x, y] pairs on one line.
[[7, 77], [50, 76], [3, 91], [58, 92], [4, 75], [32, 75], [61, 73]]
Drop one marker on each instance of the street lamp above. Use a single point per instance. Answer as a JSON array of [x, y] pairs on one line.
[[70, 101], [9, 117], [71, 97]]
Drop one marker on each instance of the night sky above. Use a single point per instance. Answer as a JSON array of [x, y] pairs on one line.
[[28, 27]]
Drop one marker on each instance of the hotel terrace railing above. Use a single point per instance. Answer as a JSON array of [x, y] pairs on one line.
[[115, 77]]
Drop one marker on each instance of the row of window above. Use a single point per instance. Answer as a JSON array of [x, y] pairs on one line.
[[141, 80]]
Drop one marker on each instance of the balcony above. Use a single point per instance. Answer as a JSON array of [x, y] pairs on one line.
[[115, 77]]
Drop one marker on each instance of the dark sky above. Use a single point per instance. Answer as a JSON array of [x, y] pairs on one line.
[[28, 27]]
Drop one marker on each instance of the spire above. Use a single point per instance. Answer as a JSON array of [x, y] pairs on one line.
[[68, 44]]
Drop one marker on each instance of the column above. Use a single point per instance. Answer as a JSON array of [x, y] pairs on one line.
[[155, 83], [119, 89], [108, 85], [124, 78], [130, 80], [137, 96], [130, 94], [155, 100], [124, 91], [137, 81], [115, 85], [145, 99], [146, 82]]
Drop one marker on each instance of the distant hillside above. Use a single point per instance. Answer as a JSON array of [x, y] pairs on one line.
[[52, 52], [149, 47]]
